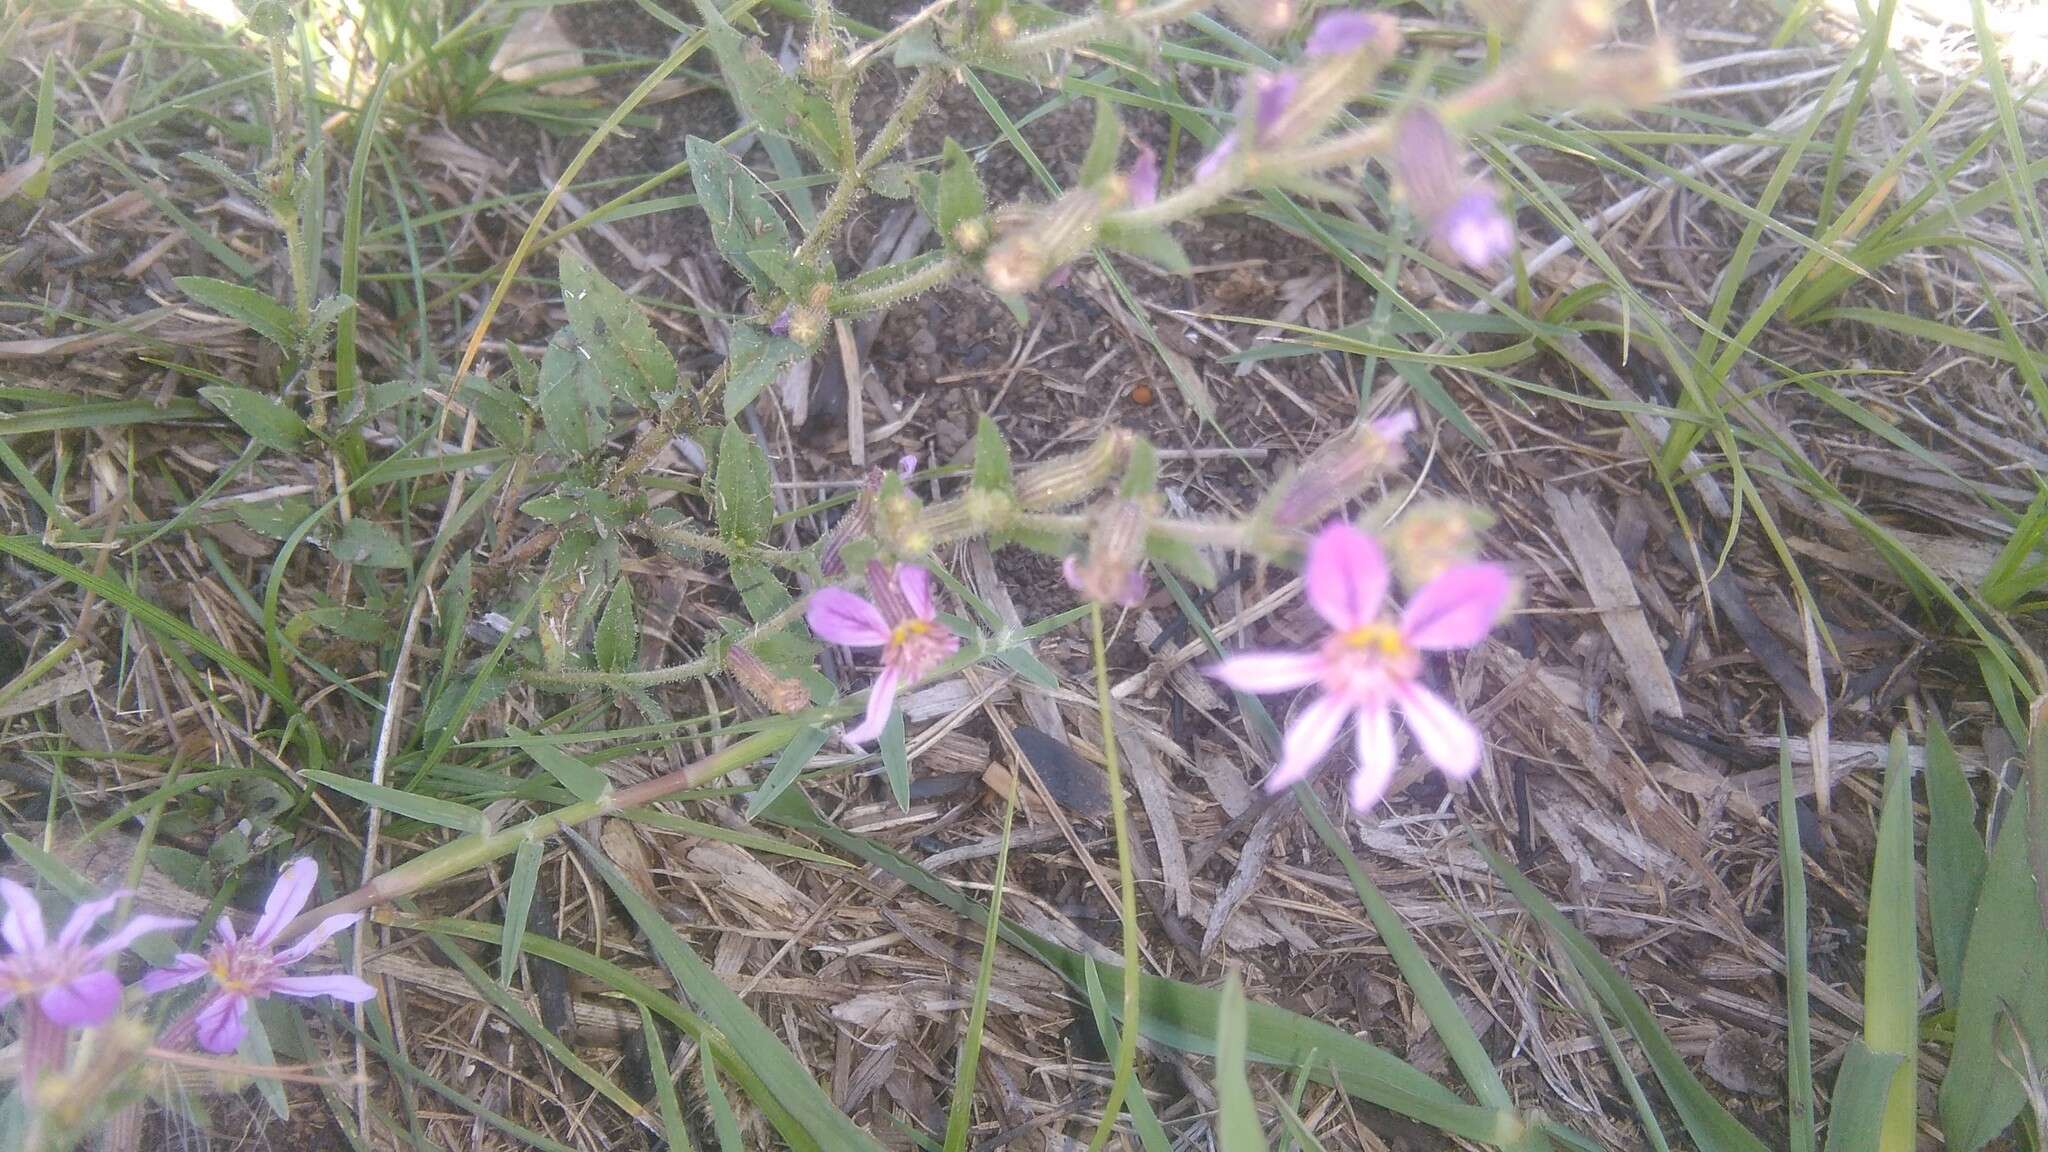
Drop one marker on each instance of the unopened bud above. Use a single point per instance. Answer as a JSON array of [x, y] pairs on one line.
[[1561, 32], [1037, 242], [1433, 537], [858, 521], [971, 235], [1338, 471], [807, 325], [1629, 76], [1002, 27], [1348, 32], [783, 694], [821, 60], [1069, 478], [1114, 570], [1017, 264]]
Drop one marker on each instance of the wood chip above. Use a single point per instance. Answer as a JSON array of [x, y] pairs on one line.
[[1608, 583]]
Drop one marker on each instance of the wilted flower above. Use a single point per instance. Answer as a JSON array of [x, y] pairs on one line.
[[61, 981], [1113, 571], [249, 968], [1462, 211], [1433, 537], [901, 620], [783, 694], [1372, 665], [1334, 472], [1141, 181]]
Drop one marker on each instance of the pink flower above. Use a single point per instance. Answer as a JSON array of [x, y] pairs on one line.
[[1372, 665], [1462, 212], [1474, 228], [901, 620], [1267, 97], [1342, 33], [1142, 177], [62, 977], [252, 967]]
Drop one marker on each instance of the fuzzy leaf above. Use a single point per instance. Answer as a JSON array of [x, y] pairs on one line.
[[618, 630], [629, 358], [263, 315], [745, 505], [754, 359], [1103, 144], [573, 402], [961, 196], [368, 544], [991, 457], [265, 420], [736, 204], [1152, 245]]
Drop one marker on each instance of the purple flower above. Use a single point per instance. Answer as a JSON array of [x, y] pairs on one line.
[[62, 977], [1272, 92], [901, 620], [1141, 180], [1371, 666], [1342, 33], [1212, 164], [248, 968], [1463, 214], [1474, 228]]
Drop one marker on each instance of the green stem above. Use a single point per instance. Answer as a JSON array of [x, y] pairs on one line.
[[848, 191], [962, 1114], [473, 852], [717, 546], [1127, 1037], [931, 276]]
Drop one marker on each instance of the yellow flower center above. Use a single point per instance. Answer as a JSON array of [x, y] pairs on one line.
[[1382, 639], [908, 629]]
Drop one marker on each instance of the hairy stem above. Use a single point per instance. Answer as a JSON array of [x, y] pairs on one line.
[[1127, 1037], [1079, 31], [854, 182]]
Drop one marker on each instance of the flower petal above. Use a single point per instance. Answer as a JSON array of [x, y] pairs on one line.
[[22, 926], [1342, 33], [837, 616], [881, 699], [1212, 165], [1376, 759], [84, 916], [224, 928], [1445, 736], [1308, 740], [82, 1001], [1265, 672], [184, 969], [287, 898], [220, 1026], [1141, 179], [341, 986], [136, 928], [916, 583], [1458, 608], [315, 938], [1272, 93], [1346, 578], [1474, 227]]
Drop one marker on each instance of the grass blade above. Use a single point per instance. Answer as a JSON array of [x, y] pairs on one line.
[[1955, 858], [1143, 1120], [780, 1071], [1891, 959], [1798, 1009], [1459, 1040], [518, 902], [1237, 1115], [673, 1129], [1856, 1112], [961, 1117], [788, 766], [1711, 1125], [411, 805]]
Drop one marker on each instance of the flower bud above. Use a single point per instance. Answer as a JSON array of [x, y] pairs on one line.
[[807, 325], [1627, 76], [1432, 537], [1338, 470], [1141, 180], [1016, 265], [821, 60], [1040, 242], [1114, 570], [858, 521], [1069, 478], [783, 694], [971, 235], [1462, 212]]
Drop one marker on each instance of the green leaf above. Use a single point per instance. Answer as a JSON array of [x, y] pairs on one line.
[[263, 315], [1237, 1114], [1857, 1109], [895, 758], [919, 49], [674, 1130], [784, 1076], [326, 314], [518, 903], [573, 402], [744, 501], [755, 359], [618, 630], [736, 205], [1141, 471], [2004, 991], [795, 757], [1103, 144], [1955, 858], [960, 1116], [266, 421], [724, 1124], [368, 544], [1143, 1120], [584, 781], [412, 806], [630, 360], [991, 458], [961, 196], [1891, 956], [1151, 244], [1709, 1123]]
